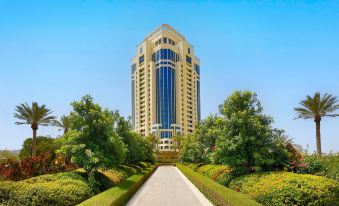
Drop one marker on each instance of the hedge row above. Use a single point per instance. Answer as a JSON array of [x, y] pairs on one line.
[[285, 188], [55, 189], [219, 173], [61, 189], [119, 196], [216, 193]]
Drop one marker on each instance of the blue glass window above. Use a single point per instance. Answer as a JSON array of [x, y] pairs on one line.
[[197, 68], [141, 59], [188, 59], [165, 89]]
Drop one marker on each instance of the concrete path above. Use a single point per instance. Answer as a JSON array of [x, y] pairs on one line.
[[168, 187]]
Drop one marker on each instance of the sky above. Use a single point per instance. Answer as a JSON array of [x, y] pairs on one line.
[[55, 52]]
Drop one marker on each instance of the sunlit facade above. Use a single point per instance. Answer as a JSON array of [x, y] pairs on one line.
[[165, 86]]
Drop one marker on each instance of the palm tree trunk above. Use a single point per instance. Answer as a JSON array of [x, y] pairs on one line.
[[318, 137], [34, 142]]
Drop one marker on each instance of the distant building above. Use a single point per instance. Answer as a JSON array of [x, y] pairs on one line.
[[165, 86]]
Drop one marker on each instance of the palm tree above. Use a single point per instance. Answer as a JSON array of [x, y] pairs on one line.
[[34, 115], [64, 123], [315, 108]]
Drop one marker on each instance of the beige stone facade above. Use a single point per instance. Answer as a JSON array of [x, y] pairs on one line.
[[165, 86]]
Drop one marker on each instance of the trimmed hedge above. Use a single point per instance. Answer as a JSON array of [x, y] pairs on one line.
[[216, 193], [62, 189], [286, 188], [119, 196], [55, 189]]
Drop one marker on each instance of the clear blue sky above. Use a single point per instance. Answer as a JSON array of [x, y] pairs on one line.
[[55, 52]]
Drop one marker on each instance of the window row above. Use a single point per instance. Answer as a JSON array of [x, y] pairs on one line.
[[164, 40], [165, 54]]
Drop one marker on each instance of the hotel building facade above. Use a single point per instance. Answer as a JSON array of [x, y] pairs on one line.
[[165, 86]]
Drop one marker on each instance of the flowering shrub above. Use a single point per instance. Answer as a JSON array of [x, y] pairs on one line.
[[299, 167], [33, 166]]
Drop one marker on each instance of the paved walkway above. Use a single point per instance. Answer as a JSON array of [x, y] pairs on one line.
[[168, 187]]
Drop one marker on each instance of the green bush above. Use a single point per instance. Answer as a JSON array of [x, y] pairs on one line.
[[55, 189], [216, 193], [68, 188], [285, 188], [119, 196], [327, 166]]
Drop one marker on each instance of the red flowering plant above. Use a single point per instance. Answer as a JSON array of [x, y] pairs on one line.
[[299, 167], [34, 166]]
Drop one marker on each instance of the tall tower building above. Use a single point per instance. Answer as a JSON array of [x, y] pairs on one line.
[[165, 86]]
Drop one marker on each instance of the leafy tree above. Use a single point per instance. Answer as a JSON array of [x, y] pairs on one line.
[[33, 115], [138, 148], [246, 139], [44, 145], [316, 108], [92, 142], [63, 124], [191, 150]]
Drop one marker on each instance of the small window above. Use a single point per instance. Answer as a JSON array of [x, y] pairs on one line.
[[189, 50], [141, 59], [159, 41], [170, 41], [165, 40], [188, 59]]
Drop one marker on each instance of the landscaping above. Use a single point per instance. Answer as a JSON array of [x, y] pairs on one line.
[[241, 149], [63, 189], [216, 193], [119, 196], [286, 188]]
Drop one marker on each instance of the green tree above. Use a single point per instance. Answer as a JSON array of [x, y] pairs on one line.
[[92, 142], [246, 139], [191, 150], [34, 116], [44, 144], [316, 108], [138, 148], [63, 124]]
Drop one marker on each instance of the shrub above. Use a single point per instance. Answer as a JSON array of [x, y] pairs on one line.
[[327, 166], [33, 166], [54, 189], [118, 196], [216, 193], [285, 188], [205, 169]]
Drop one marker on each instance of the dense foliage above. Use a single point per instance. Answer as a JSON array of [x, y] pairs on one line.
[[62, 189], [54, 189], [138, 148], [92, 142], [242, 138], [285, 188], [33, 166], [43, 145], [327, 165]]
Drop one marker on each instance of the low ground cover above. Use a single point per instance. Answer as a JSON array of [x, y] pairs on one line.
[[286, 188], [62, 189], [216, 193]]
